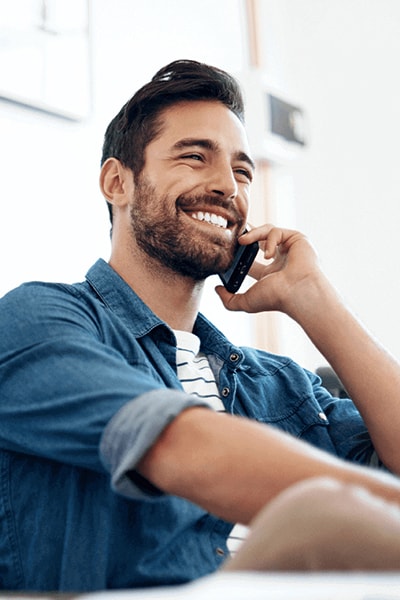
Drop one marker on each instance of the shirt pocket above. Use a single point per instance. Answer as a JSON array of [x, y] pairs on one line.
[[282, 396]]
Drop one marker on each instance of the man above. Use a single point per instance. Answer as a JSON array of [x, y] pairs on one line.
[[115, 471]]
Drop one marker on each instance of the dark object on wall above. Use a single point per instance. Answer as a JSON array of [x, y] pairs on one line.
[[286, 120]]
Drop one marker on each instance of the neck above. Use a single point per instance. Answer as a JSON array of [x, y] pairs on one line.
[[172, 297]]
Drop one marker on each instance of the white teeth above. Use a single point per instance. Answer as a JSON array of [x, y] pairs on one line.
[[214, 219], [210, 218]]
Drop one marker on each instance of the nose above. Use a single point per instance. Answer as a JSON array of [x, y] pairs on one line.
[[222, 181]]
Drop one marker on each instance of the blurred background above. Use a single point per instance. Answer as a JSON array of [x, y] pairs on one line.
[[67, 66]]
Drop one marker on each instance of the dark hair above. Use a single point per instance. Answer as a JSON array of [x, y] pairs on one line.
[[138, 123]]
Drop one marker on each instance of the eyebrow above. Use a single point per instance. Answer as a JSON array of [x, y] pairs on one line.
[[210, 145]]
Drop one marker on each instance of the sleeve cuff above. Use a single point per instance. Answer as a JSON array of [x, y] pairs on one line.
[[132, 432]]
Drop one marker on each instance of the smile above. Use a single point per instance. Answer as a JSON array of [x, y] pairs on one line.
[[210, 218]]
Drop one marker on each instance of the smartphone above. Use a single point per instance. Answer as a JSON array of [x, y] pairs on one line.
[[244, 258]]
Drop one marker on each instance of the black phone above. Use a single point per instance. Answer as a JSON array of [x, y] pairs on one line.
[[244, 258]]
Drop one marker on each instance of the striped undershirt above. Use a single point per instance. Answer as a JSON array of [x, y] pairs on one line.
[[196, 376]]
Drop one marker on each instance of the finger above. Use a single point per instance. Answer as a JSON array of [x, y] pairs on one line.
[[258, 270], [232, 302], [268, 236], [275, 238], [256, 234]]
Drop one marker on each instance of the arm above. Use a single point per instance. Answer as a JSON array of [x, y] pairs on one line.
[[232, 466], [294, 284]]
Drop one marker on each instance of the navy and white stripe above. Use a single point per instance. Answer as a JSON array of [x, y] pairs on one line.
[[196, 376], [194, 370]]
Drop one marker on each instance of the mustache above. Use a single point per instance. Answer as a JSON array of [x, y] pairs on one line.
[[201, 200]]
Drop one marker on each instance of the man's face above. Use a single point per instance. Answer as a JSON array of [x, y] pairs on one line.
[[190, 202]]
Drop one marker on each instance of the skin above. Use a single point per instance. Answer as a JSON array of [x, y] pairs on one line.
[[347, 528], [175, 168], [212, 459]]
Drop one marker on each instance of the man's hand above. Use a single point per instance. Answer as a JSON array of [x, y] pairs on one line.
[[290, 269], [293, 283]]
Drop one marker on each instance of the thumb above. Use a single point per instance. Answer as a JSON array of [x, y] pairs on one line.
[[233, 302]]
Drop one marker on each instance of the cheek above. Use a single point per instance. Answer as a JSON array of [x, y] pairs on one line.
[[186, 180], [174, 187], [244, 199]]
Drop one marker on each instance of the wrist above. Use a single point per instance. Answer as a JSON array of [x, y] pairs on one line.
[[312, 298]]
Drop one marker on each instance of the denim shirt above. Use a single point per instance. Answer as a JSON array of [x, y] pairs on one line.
[[87, 383]]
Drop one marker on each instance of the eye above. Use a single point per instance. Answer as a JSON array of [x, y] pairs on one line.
[[193, 156], [246, 173]]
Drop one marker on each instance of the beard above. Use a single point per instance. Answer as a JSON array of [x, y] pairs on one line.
[[164, 234]]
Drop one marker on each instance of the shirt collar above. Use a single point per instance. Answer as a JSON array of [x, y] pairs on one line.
[[120, 298]]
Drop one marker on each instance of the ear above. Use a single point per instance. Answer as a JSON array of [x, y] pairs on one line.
[[116, 182]]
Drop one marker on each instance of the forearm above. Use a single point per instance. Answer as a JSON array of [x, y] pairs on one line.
[[370, 375], [232, 466], [293, 283]]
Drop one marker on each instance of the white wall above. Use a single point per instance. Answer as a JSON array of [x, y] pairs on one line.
[[338, 59]]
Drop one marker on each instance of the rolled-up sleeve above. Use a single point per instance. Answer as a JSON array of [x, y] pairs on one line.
[[132, 432], [62, 383]]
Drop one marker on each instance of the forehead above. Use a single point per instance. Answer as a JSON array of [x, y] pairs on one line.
[[203, 120]]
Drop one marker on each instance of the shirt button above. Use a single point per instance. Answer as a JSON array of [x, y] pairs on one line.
[[225, 392], [220, 552], [322, 416], [234, 357]]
